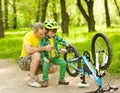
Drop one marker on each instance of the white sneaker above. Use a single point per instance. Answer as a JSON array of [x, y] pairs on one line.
[[82, 85], [34, 84]]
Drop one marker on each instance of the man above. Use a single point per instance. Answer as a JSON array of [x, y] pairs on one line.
[[30, 56]]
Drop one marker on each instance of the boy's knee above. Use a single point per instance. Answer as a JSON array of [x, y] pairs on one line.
[[63, 63], [45, 64]]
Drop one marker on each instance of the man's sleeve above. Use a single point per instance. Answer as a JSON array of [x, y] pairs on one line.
[[61, 41], [27, 39]]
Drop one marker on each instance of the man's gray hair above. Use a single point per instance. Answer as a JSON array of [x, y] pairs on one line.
[[38, 25]]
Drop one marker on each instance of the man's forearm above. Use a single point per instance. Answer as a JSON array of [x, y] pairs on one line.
[[31, 50]]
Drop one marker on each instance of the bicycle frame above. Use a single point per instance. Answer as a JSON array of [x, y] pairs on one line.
[[93, 73]]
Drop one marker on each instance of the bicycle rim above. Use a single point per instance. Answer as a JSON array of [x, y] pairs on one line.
[[101, 43]]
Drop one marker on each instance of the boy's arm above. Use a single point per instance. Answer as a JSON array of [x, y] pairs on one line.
[[43, 57], [61, 41]]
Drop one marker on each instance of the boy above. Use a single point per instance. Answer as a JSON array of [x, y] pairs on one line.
[[52, 56]]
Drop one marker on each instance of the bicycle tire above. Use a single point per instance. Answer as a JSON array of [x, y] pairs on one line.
[[108, 47], [76, 54]]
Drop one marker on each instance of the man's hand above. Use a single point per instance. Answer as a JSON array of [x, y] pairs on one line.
[[48, 48], [47, 60], [62, 51]]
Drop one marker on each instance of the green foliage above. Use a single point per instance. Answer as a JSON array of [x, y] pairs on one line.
[[27, 10], [10, 46], [99, 12]]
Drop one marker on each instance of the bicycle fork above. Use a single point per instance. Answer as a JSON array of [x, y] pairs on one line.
[[88, 69]]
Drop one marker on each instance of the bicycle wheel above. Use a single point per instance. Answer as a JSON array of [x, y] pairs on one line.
[[72, 53], [101, 51]]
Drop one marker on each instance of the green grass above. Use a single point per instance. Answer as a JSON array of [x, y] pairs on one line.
[[10, 46]]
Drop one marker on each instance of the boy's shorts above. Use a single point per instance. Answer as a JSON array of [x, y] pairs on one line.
[[24, 63]]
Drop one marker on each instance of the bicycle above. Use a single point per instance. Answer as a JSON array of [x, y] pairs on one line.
[[102, 56]]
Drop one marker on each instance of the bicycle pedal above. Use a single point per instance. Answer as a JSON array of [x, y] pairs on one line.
[[82, 85], [113, 88]]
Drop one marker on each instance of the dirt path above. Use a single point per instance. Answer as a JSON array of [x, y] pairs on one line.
[[13, 80]]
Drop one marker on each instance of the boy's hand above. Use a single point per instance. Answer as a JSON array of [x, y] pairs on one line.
[[62, 51], [47, 60], [67, 45]]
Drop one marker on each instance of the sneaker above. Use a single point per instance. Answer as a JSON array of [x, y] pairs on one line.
[[37, 79], [44, 83], [63, 81], [34, 84], [82, 85]]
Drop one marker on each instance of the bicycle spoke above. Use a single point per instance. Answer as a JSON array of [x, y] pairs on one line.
[[72, 65]]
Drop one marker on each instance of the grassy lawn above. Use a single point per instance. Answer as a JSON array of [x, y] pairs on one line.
[[10, 46]]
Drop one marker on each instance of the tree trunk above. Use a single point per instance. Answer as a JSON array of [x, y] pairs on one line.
[[90, 17], [54, 10], [38, 12], [6, 13], [65, 18], [55, 16], [107, 14], [15, 15], [91, 21], [44, 9], [118, 9], [1, 22]]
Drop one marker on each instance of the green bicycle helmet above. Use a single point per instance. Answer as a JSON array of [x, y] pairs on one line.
[[50, 24]]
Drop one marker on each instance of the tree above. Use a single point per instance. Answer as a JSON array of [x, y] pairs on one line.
[[38, 12], [1, 22], [54, 10], [90, 17], [15, 14], [118, 9], [43, 10], [65, 18], [6, 13], [107, 13]]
